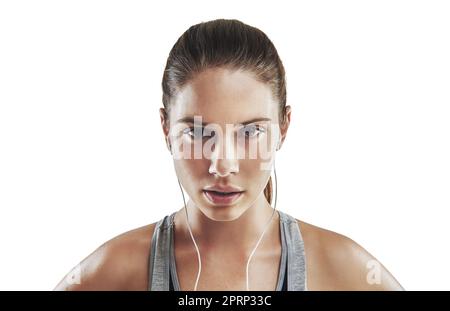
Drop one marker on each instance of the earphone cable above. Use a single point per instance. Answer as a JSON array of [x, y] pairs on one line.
[[257, 244]]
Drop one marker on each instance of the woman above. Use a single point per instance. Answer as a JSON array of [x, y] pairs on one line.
[[224, 96]]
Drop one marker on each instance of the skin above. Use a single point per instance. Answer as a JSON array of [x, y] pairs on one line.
[[226, 235]]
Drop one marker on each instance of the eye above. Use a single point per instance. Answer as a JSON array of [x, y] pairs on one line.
[[251, 131], [196, 132]]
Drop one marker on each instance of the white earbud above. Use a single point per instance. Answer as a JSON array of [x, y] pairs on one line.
[[169, 145]]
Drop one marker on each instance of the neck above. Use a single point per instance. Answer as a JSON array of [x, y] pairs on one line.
[[239, 235]]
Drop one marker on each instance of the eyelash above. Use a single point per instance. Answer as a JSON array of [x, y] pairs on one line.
[[191, 130], [258, 129]]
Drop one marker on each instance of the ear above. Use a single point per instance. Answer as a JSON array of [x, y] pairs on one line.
[[284, 126], [164, 116]]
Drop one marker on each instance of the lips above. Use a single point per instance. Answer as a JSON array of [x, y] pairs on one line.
[[223, 189], [223, 197]]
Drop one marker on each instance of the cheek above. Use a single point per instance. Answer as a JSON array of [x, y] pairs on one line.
[[255, 173], [191, 172]]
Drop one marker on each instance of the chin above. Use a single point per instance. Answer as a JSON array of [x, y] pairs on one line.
[[222, 213]]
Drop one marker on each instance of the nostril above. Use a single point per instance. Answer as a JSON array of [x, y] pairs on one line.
[[224, 167]]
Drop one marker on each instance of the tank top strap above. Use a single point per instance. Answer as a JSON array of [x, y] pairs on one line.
[[159, 253], [293, 256], [296, 259]]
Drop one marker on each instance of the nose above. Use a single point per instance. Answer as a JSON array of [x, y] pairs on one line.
[[223, 157]]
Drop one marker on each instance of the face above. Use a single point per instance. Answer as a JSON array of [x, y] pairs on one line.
[[224, 130]]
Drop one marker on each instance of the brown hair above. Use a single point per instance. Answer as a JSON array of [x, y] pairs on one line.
[[226, 43]]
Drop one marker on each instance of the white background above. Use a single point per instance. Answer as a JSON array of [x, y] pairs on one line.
[[82, 155]]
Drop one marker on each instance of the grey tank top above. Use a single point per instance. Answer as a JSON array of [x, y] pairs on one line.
[[162, 267]]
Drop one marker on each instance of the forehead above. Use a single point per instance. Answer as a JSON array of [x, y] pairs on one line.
[[222, 95]]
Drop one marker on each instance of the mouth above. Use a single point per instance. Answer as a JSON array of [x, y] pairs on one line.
[[222, 198]]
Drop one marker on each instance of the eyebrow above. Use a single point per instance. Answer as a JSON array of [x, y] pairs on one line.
[[191, 120]]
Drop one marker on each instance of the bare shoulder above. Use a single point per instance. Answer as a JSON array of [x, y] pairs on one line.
[[336, 262], [119, 264]]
